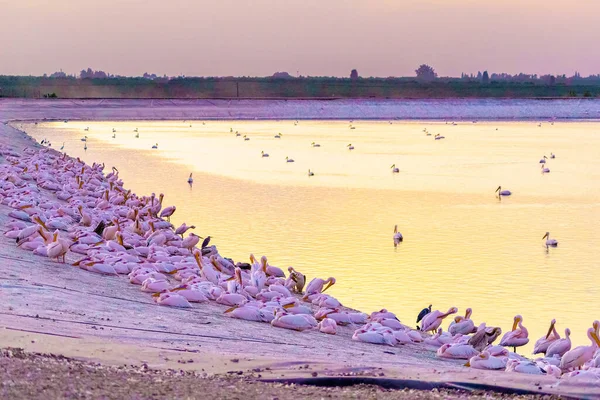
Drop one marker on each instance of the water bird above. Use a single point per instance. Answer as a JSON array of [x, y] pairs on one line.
[[84, 139], [246, 138], [85, 146], [543, 160], [264, 154], [155, 146], [114, 136], [287, 159], [350, 147], [581, 354], [114, 130], [552, 155], [135, 130], [423, 313], [137, 135], [87, 128], [433, 320], [63, 146], [395, 169], [503, 192], [438, 137], [545, 170], [545, 341], [517, 337], [397, 235], [550, 242], [313, 144], [310, 173], [278, 136], [190, 179], [560, 346]]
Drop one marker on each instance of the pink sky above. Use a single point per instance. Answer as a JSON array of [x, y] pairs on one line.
[[314, 37]]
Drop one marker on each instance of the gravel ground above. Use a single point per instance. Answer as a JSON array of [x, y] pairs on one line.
[[31, 376]]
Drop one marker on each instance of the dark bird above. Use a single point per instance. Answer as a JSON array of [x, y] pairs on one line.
[[100, 228], [484, 337], [205, 242], [423, 313]]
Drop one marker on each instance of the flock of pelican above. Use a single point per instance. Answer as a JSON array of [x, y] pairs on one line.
[[61, 205]]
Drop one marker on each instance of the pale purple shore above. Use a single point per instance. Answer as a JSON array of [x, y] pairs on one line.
[[52, 308]]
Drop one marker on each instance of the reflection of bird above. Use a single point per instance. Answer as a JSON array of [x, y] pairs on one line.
[[543, 160], [278, 136], [394, 168], [423, 313], [550, 242], [63, 146], [503, 192]]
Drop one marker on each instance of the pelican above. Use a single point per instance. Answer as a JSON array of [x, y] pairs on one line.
[[190, 179], [545, 170], [155, 146], [313, 144], [264, 154], [278, 136], [543, 160], [87, 129], [542, 344], [84, 139], [246, 138], [394, 168], [317, 285], [560, 346], [114, 130], [85, 146], [485, 361], [581, 354], [137, 135], [434, 319], [398, 238], [135, 130], [503, 192], [63, 146], [552, 155], [463, 325], [114, 136], [350, 147], [550, 242], [287, 159], [310, 173], [438, 137], [517, 337]]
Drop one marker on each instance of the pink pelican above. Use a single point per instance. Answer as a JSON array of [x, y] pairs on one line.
[[581, 354], [523, 367], [183, 228], [503, 192], [190, 242], [397, 236], [560, 346], [327, 325], [545, 341], [167, 212], [316, 285], [485, 361], [550, 242], [298, 322], [516, 337], [463, 325], [172, 299], [457, 351], [434, 319]]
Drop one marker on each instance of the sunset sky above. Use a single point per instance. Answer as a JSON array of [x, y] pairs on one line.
[[313, 37]]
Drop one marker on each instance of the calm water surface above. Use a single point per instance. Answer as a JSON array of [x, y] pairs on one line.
[[463, 247]]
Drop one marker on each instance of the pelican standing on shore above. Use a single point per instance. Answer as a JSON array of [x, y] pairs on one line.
[[517, 337]]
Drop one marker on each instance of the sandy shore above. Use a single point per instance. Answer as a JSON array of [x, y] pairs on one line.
[[62, 310]]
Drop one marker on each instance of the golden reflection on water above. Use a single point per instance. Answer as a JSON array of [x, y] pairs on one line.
[[463, 247]]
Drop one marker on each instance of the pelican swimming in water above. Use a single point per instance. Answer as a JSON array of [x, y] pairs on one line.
[[517, 337], [350, 147], [395, 169], [278, 136], [287, 159], [550, 242], [155, 146], [543, 160], [135, 130], [84, 139], [310, 173], [438, 137], [87, 129], [263, 154], [246, 138], [552, 155], [114, 136], [545, 170], [190, 179], [313, 144], [397, 237], [503, 192]]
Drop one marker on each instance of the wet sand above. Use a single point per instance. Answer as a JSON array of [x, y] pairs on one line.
[[59, 309]]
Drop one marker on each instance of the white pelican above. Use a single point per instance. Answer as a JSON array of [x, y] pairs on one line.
[[394, 168], [310, 173], [485, 361], [581, 354], [313, 144], [190, 179], [545, 170], [278, 136], [523, 367], [503, 192], [543, 160], [517, 336], [287, 159], [457, 351], [350, 147], [560, 346], [398, 238], [550, 242], [434, 319], [263, 154], [542, 344], [463, 325], [155, 146]]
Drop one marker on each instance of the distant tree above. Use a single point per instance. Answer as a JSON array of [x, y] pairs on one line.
[[354, 74], [485, 78], [425, 73], [282, 75], [59, 74], [479, 76], [587, 93]]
